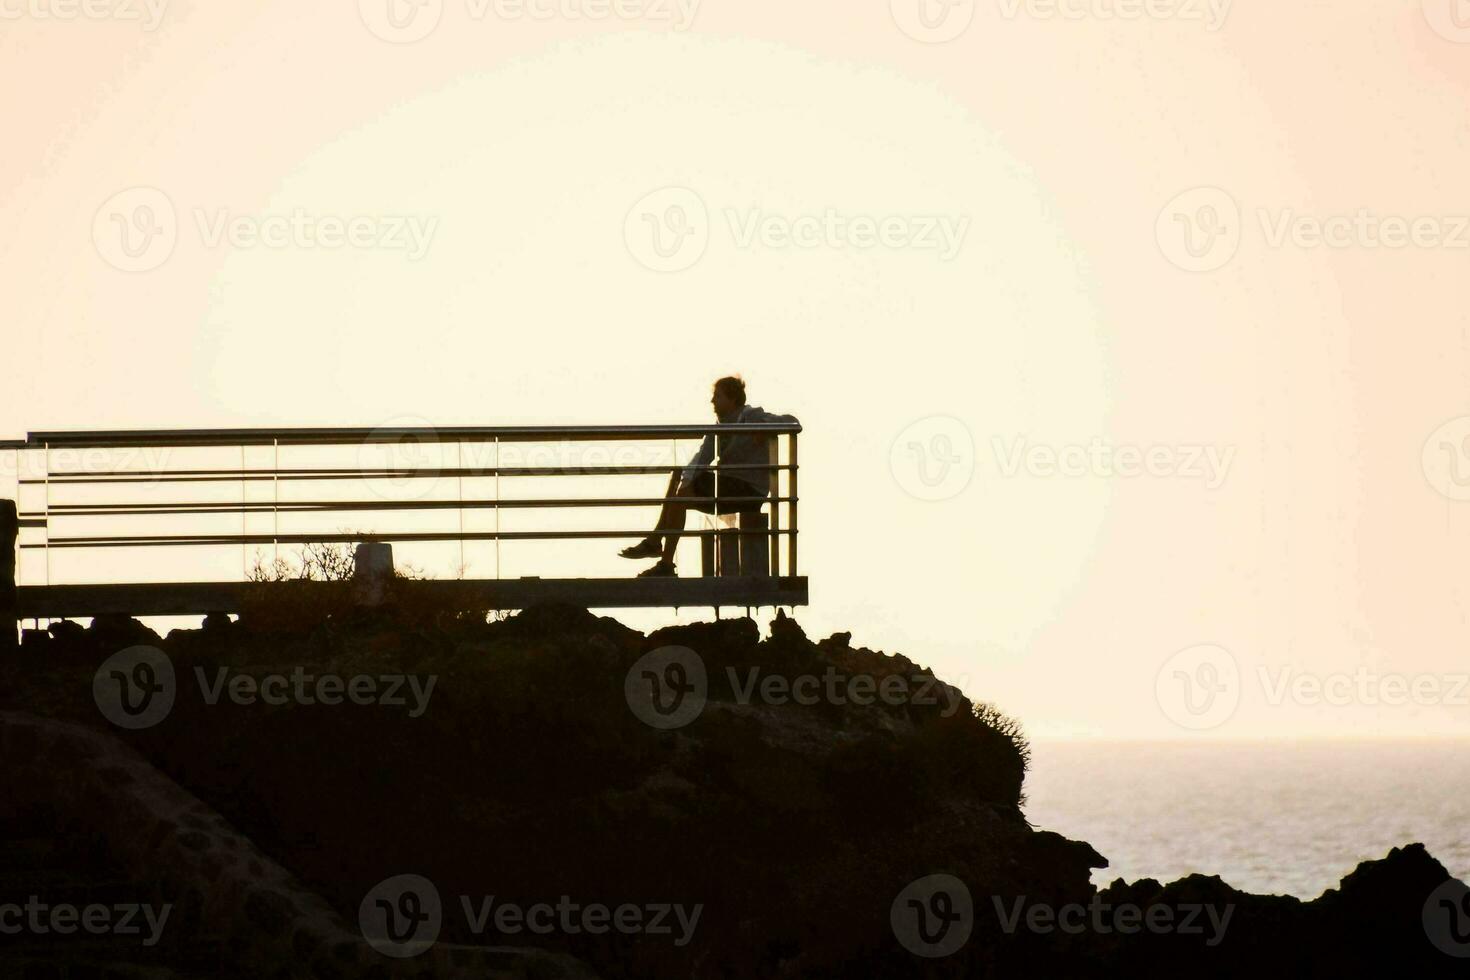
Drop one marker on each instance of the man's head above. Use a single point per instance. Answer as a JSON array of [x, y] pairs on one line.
[[729, 397]]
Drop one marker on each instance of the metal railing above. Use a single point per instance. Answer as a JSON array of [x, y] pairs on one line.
[[48, 470]]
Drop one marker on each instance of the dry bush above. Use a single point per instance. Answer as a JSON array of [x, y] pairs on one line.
[[334, 565], [316, 562], [272, 605]]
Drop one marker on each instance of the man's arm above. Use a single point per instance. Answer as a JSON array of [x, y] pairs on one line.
[[745, 447], [704, 457], [762, 416]]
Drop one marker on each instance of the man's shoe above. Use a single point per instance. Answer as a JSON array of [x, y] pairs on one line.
[[647, 548], [664, 569]]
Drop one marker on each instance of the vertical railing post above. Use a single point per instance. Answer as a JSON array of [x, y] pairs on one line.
[[276, 502], [773, 456], [497, 507], [46, 504], [9, 531], [791, 507], [9, 556], [244, 519], [459, 491]]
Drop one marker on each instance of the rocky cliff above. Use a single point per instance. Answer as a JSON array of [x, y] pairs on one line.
[[698, 802]]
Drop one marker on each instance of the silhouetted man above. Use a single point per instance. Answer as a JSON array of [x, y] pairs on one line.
[[730, 494]]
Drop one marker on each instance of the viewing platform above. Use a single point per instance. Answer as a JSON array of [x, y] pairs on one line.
[[144, 522]]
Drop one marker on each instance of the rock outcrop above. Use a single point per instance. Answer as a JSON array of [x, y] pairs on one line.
[[828, 810]]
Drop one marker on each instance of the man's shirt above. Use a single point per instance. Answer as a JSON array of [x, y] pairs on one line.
[[738, 450]]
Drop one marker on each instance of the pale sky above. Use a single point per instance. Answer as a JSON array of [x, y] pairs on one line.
[[1225, 240]]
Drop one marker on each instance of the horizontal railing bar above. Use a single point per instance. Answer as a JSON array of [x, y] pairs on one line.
[[255, 476], [339, 436], [239, 539], [327, 506]]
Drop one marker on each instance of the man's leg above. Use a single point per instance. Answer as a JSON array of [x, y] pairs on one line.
[[671, 515], [671, 522], [666, 517]]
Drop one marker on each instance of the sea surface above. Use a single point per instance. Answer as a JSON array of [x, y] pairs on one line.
[[1270, 817]]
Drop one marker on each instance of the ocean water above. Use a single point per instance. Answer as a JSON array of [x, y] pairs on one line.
[[1270, 817]]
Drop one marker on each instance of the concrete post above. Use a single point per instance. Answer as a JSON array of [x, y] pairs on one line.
[[372, 570], [755, 545]]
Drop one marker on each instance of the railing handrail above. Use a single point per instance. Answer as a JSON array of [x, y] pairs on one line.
[[139, 438], [101, 477]]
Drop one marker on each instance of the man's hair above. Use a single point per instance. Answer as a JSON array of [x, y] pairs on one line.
[[733, 388]]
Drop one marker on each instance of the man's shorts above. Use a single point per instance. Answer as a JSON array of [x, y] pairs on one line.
[[729, 486]]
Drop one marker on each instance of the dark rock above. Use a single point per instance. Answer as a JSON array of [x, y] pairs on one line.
[[67, 632], [552, 620], [1370, 926], [836, 642], [1076, 852], [194, 840], [114, 631], [305, 942], [708, 639], [795, 825], [269, 911], [785, 629]]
